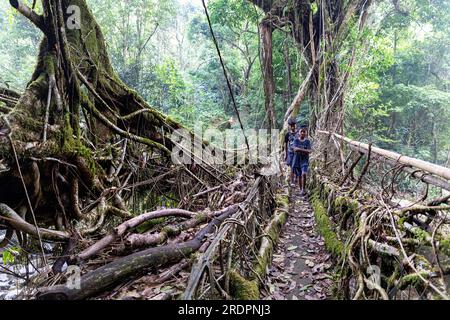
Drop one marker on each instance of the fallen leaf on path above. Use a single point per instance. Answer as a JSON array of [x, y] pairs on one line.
[[281, 285], [271, 288], [304, 288], [292, 286], [318, 289], [318, 268], [322, 276], [309, 263]]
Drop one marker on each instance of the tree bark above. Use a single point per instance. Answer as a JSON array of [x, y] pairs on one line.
[[269, 84]]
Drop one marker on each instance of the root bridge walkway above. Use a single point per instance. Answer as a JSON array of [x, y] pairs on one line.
[[301, 266]]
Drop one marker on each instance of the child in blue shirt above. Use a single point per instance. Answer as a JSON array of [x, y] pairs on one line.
[[300, 163], [288, 144]]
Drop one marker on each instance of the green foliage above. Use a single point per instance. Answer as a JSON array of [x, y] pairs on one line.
[[19, 42], [9, 255], [397, 97], [399, 94]]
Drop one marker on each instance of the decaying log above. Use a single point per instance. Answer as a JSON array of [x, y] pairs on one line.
[[132, 266], [150, 239], [384, 248], [413, 279]]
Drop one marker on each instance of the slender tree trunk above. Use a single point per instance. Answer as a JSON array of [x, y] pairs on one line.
[[269, 84], [434, 150], [394, 67], [287, 61]]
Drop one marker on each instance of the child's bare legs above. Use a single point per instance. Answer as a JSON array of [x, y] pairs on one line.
[[302, 179], [303, 182]]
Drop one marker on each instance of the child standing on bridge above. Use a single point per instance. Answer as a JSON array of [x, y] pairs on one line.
[[288, 144], [300, 163]]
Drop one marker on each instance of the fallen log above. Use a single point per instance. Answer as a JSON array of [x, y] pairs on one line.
[[131, 266], [18, 223], [413, 279], [435, 169], [150, 239], [384, 248]]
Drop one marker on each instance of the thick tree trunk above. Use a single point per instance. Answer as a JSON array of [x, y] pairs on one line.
[[73, 85]]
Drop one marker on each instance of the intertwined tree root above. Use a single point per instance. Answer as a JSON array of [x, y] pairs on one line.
[[383, 252]]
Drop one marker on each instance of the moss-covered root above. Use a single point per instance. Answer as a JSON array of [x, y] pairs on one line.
[[244, 289], [327, 229], [241, 288], [272, 232], [413, 280]]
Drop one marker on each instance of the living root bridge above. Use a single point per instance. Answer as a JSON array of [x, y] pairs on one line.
[[437, 175], [234, 264], [369, 225], [127, 225]]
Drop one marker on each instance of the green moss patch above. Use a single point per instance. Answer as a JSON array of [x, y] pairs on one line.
[[241, 288], [147, 225], [326, 228]]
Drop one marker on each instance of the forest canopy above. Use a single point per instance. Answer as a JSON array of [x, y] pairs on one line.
[[399, 87]]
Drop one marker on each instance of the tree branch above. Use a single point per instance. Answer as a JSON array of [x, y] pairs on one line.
[[28, 13], [8, 214]]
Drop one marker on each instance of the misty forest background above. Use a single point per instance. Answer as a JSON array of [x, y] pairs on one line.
[[398, 96]]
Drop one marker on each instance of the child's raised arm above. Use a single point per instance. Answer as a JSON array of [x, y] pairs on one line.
[[302, 150]]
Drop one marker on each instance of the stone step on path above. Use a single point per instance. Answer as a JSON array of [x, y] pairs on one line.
[[301, 267]]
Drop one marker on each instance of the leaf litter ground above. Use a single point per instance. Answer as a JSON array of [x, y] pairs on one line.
[[301, 267]]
